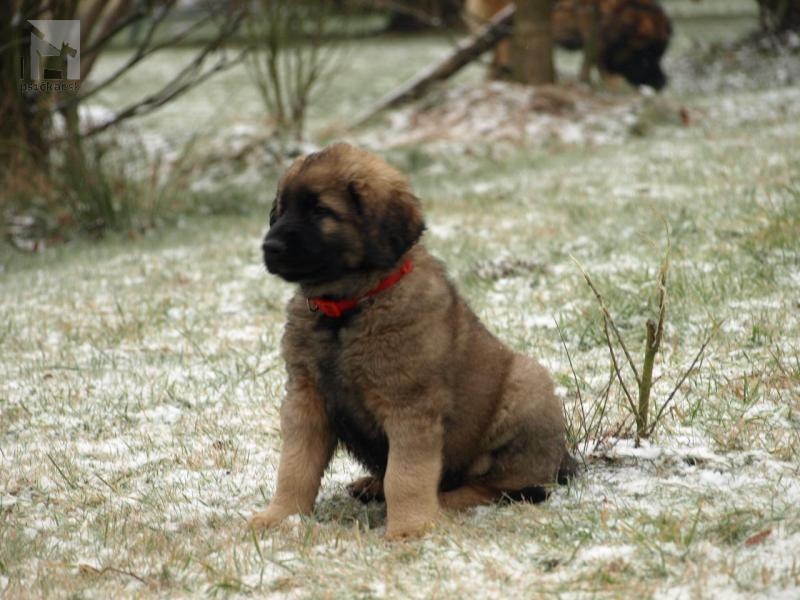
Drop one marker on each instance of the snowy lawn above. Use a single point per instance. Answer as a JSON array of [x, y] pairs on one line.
[[140, 382]]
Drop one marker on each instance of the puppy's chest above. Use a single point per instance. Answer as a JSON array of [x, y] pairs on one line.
[[341, 356], [351, 408], [338, 377]]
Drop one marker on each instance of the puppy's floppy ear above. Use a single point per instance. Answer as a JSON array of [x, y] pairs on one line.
[[393, 223], [401, 226]]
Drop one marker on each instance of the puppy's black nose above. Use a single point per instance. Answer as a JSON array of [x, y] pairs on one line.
[[273, 248]]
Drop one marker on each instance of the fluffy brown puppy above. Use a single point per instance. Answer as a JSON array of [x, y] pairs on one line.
[[620, 37], [384, 357]]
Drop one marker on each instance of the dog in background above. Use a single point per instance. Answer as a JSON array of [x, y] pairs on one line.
[[618, 37], [384, 357]]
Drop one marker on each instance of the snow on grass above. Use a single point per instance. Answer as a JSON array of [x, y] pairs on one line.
[[140, 396], [140, 379], [507, 112]]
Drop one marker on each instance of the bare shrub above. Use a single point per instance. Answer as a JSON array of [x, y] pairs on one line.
[[58, 177], [292, 55], [637, 385]]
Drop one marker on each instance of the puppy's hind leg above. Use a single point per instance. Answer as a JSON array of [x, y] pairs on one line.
[[367, 489], [468, 496]]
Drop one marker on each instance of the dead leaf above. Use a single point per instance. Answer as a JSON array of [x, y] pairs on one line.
[[757, 538]]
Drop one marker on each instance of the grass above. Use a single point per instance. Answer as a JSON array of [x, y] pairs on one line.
[[140, 380]]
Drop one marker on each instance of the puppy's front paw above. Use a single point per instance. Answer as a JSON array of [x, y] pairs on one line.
[[267, 518], [408, 529]]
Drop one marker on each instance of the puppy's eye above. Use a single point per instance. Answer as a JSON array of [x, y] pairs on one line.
[[321, 211]]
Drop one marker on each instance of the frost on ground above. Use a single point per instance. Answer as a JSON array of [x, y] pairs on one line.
[[140, 382], [508, 112]]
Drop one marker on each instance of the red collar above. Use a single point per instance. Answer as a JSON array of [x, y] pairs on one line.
[[336, 308]]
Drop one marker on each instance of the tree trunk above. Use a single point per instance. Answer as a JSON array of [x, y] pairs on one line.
[[779, 16], [23, 118], [532, 43]]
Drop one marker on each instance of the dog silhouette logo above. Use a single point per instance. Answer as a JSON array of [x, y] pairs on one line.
[[55, 50]]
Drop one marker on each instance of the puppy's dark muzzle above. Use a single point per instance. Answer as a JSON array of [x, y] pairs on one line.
[[283, 255], [273, 249], [659, 80]]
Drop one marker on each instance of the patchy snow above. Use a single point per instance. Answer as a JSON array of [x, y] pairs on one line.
[[140, 391], [503, 111], [606, 553]]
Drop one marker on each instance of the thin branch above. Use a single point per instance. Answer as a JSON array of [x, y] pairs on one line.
[[255, 32], [273, 66], [90, 19], [110, 28], [597, 415], [464, 52], [142, 52], [610, 319], [655, 333], [111, 32], [616, 433], [651, 345], [569, 358], [601, 411], [291, 57], [662, 279], [174, 87], [45, 8], [577, 384], [616, 367], [684, 376], [154, 101]]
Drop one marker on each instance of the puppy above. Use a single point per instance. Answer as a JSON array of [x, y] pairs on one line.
[[384, 357], [619, 37]]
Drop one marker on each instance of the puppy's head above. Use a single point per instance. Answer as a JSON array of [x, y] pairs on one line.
[[337, 212], [642, 67], [637, 35]]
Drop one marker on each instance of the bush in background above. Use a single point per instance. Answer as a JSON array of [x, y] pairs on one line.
[[61, 180], [293, 54]]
